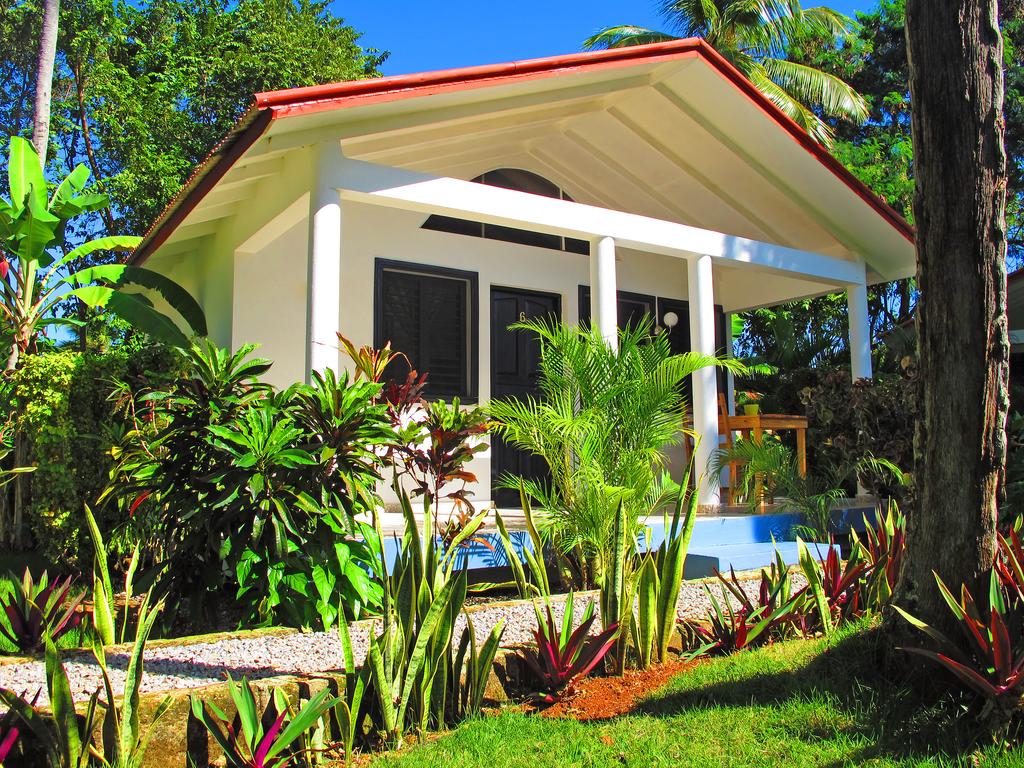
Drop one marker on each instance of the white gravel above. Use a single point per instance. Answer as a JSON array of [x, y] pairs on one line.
[[269, 655]]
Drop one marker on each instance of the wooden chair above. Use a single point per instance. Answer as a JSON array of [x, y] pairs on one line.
[[729, 491]]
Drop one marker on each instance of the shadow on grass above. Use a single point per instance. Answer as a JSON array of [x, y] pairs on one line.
[[897, 718]]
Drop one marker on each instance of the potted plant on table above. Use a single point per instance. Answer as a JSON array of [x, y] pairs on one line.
[[750, 402]]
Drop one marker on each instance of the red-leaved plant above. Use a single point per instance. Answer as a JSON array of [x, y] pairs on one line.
[[883, 548], [37, 608], [9, 730], [245, 741], [564, 655], [991, 660]]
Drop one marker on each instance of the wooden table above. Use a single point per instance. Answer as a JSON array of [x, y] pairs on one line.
[[753, 427]]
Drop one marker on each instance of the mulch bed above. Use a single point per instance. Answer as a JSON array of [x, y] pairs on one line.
[[602, 698]]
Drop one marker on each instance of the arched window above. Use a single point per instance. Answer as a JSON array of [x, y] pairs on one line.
[[521, 181]]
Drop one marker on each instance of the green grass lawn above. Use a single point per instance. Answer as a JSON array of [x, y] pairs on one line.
[[801, 703]]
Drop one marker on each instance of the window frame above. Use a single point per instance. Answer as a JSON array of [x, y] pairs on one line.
[[472, 280]]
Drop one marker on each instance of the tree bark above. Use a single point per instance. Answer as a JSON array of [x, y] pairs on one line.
[[44, 77], [956, 80]]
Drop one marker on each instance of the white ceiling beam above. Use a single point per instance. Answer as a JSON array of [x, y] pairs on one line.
[[619, 169], [375, 148], [705, 181], [398, 188], [793, 193]]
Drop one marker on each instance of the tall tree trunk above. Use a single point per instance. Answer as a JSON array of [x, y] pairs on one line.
[[44, 77], [956, 80]]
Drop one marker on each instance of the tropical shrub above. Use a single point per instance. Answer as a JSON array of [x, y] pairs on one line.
[[61, 407], [253, 490], [38, 609], [245, 741], [565, 653], [848, 421]]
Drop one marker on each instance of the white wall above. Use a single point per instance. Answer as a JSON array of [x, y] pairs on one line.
[[251, 277], [269, 305]]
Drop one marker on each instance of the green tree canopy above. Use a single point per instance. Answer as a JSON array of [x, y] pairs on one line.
[[143, 91]]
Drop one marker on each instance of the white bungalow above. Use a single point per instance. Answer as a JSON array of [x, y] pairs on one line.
[[434, 209]]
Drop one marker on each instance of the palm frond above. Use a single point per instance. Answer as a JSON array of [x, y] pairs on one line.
[[821, 89], [624, 36]]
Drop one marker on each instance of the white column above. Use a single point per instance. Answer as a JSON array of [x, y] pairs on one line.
[[705, 380], [860, 332], [860, 342], [323, 287], [730, 377], [604, 313]]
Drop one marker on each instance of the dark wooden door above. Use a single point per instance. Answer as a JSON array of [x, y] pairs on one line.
[[515, 358]]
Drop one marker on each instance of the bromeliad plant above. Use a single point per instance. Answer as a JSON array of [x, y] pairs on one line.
[[39, 609], [9, 731], [774, 613], [834, 588], [989, 662], [38, 269], [883, 548], [565, 653], [244, 740]]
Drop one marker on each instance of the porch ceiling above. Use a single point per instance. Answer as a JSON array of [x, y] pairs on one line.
[[666, 135]]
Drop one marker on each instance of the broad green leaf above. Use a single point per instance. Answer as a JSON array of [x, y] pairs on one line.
[[25, 174], [177, 297]]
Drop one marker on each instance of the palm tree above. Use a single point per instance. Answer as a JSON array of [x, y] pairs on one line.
[[753, 36], [44, 77]]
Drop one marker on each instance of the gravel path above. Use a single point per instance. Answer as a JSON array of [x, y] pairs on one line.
[[271, 655]]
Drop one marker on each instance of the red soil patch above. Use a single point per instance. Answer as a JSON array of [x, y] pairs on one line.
[[601, 698]]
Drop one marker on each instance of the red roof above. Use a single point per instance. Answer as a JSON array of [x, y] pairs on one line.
[[273, 105]]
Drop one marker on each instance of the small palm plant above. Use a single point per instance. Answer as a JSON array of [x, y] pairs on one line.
[[603, 422]]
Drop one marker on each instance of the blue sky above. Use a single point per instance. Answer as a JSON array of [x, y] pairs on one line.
[[452, 33]]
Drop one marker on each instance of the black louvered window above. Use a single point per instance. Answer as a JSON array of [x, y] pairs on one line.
[[429, 315]]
